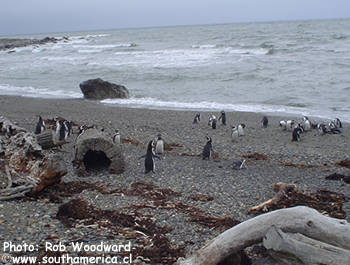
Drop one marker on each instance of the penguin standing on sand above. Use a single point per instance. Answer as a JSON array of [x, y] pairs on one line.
[[296, 134], [60, 131], [223, 118], [264, 122], [240, 129], [322, 129], [197, 118], [208, 148], [338, 123], [149, 158], [40, 126], [159, 144], [116, 137], [333, 128], [307, 123], [283, 125], [67, 129], [234, 133], [213, 123]]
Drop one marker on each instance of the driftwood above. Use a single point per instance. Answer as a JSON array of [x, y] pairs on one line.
[[301, 219], [282, 189], [26, 166], [95, 150], [295, 248]]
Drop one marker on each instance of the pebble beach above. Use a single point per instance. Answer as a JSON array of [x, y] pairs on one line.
[[182, 170]]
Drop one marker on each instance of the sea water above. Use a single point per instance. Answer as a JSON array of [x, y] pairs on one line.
[[299, 67]]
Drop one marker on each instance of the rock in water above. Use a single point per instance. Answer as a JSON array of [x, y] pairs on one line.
[[100, 89]]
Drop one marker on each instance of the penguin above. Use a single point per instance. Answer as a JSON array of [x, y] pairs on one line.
[[240, 129], [223, 117], [234, 133], [264, 122], [338, 123], [159, 144], [208, 148], [300, 127], [60, 131], [322, 129], [333, 128], [9, 131], [213, 123], [283, 125], [290, 125], [211, 118], [116, 137], [67, 129], [40, 126], [149, 158], [197, 118], [307, 124], [296, 134]]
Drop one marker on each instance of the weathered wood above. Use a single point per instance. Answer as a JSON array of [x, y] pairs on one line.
[[46, 139], [300, 219], [296, 248], [26, 164], [96, 143], [282, 189]]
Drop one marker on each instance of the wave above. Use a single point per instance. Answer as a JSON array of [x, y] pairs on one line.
[[28, 91], [153, 103], [204, 46]]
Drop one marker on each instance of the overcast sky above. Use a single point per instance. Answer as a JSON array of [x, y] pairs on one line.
[[44, 16]]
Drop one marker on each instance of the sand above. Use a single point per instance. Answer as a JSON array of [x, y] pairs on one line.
[[181, 170]]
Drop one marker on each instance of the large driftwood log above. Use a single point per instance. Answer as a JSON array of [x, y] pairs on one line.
[[300, 219], [26, 166], [295, 248], [95, 150]]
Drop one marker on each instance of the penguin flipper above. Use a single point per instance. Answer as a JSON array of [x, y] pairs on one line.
[[157, 157], [142, 156]]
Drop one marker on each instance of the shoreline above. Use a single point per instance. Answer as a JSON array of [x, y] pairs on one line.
[[181, 170]]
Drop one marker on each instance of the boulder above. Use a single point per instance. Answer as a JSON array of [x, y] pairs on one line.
[[100, 89]]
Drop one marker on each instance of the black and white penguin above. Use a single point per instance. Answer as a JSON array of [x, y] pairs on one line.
[[322, 129], [208, 148], [159, 144], [338, 123], [40, 126], [234, 133], [283, 125], [333, 128], [197, 118], [60, 131], [296, 134], [290, 125], [307, 123], [264, 122], [149, 158], [213, 123], [67, 129], [240, 129], [116, 137], [223, 117]]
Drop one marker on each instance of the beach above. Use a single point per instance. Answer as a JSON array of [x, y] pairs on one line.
[[227, 192]]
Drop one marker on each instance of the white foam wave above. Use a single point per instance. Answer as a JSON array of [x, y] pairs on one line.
[[28, 91], [204, 46], [90, 51], [153, 103]]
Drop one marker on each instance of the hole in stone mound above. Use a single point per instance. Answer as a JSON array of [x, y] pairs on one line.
[[96, 160]]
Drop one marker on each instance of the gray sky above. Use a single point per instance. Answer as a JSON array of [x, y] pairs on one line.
[[43, 16]]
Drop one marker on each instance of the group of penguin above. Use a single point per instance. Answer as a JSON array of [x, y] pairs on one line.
[[63, 128], [306, 125], [155, 147]]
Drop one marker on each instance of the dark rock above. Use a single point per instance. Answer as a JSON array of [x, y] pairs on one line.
[[100, 89]]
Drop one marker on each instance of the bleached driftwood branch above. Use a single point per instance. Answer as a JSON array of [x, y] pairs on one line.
[[300, 219]]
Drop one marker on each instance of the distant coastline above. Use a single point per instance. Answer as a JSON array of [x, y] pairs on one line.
[[9, 43]]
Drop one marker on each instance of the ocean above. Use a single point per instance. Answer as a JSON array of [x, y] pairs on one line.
[[297, 68]]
